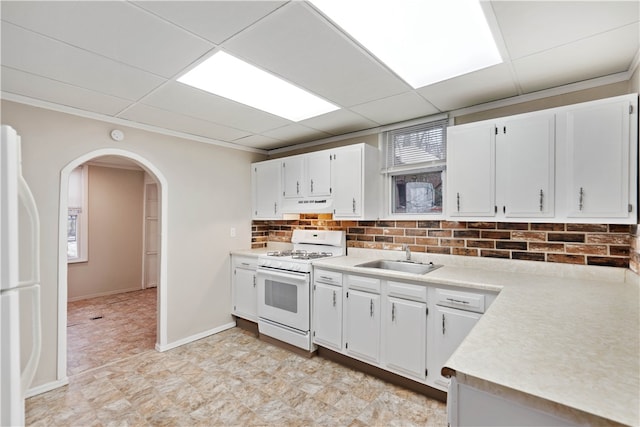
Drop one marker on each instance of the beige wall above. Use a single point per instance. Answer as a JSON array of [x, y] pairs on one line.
[[606, 91], [208, 192], [115, 235]]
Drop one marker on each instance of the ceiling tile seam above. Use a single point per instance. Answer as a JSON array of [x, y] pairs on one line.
[[69, 84], [505, 53], [346, 36], [48, 37], [21, 99], [237, 33], [591, 36], [167, 21]]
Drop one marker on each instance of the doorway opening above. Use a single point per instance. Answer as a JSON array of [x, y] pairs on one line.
[[84, 307]]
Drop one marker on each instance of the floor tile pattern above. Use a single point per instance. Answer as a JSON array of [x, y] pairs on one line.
[[103, 329], [229, 379]]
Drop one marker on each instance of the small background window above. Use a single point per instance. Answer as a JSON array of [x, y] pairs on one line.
[[414, 163]]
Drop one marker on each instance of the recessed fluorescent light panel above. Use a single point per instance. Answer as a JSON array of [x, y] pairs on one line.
[[227, 76], [422, 41]]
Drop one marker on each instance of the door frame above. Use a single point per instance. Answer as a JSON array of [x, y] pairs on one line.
[[161, 331]]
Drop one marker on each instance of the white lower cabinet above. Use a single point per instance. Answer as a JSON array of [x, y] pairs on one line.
[[451, 326], [406, 337], [244, 293], [327, 309], [362, 325], [408, 328]]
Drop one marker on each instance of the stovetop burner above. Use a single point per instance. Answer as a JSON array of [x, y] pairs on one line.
[[299, 254]]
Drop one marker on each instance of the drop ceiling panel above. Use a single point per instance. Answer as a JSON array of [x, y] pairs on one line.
[[215, 21], [295, 133], [305, 49], [534, 26], [259, 141], [397, 108], [339, 122], [115, 29], [174, 121], [488, 84], [186, 100], [575, 62], [35, 54], [36, 87]]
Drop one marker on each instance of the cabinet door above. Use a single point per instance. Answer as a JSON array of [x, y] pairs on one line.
[[327, 315], [362, 326], [525, 152], [319, 174], [471, 170], [451, 327], [598, 160], [245, 296], [406, 334], [293, 176], [346, 178], [266, 187]]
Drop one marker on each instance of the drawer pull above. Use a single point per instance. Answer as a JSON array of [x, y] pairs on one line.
[[393, 311], [327, 278], [459, 301], [245, 263]]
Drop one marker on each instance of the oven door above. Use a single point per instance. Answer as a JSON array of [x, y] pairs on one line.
[[284, 297]]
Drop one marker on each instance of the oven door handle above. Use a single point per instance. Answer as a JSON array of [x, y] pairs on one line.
[[282, 274]]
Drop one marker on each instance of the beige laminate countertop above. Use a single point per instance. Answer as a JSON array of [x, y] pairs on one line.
[[568, 341]]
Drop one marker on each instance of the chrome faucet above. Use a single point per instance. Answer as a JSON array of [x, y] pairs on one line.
[[407, 251]]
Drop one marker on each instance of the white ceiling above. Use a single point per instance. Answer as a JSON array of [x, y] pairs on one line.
[[120, 60]]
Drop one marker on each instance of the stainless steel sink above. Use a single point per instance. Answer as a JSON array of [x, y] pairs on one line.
[[403, 266]]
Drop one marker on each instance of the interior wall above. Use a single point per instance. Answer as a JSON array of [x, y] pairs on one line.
[[115, 218], [208, 191]]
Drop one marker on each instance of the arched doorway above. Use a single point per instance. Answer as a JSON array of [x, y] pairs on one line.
[[158, 177]]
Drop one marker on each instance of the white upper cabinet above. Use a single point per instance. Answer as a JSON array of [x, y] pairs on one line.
[[318, 173], [525, 152], [266, 184], [355, 180], [571, 164], [471, 170], [293, 180], [601, 159]]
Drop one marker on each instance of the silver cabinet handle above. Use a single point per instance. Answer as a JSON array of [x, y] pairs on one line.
[[459, 301], [334, 298], [458, 201], [581, 199], [245, 263], [275, 207], [371, 308], [541, 199], [393, 311], [297, 187], [354, 205], [254, 280], [443, 329], [312, 186], [326, 278]]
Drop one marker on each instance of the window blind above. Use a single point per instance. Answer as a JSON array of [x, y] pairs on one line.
[[420, 145]]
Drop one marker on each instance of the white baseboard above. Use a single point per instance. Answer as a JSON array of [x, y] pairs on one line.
[[195, 337], [34, 391], [104, 294]]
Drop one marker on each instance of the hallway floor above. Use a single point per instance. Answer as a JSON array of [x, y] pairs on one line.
[[109, 328], [227, 379]]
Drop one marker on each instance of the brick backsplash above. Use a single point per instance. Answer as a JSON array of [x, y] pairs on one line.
[[593, 244]]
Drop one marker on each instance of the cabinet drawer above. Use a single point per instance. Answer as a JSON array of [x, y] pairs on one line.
[[407, 291], [460, 300], [367, 284], [250, 263], [328, 277]]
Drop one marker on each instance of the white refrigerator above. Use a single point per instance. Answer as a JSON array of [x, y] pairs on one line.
[[20, 329]]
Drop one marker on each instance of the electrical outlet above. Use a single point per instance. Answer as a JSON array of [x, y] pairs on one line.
[[232, 233]]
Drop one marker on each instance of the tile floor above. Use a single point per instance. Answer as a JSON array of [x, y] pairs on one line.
[[228, 379]]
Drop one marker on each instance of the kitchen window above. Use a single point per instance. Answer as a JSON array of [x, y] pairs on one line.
[[77, 221], [414, 164]]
